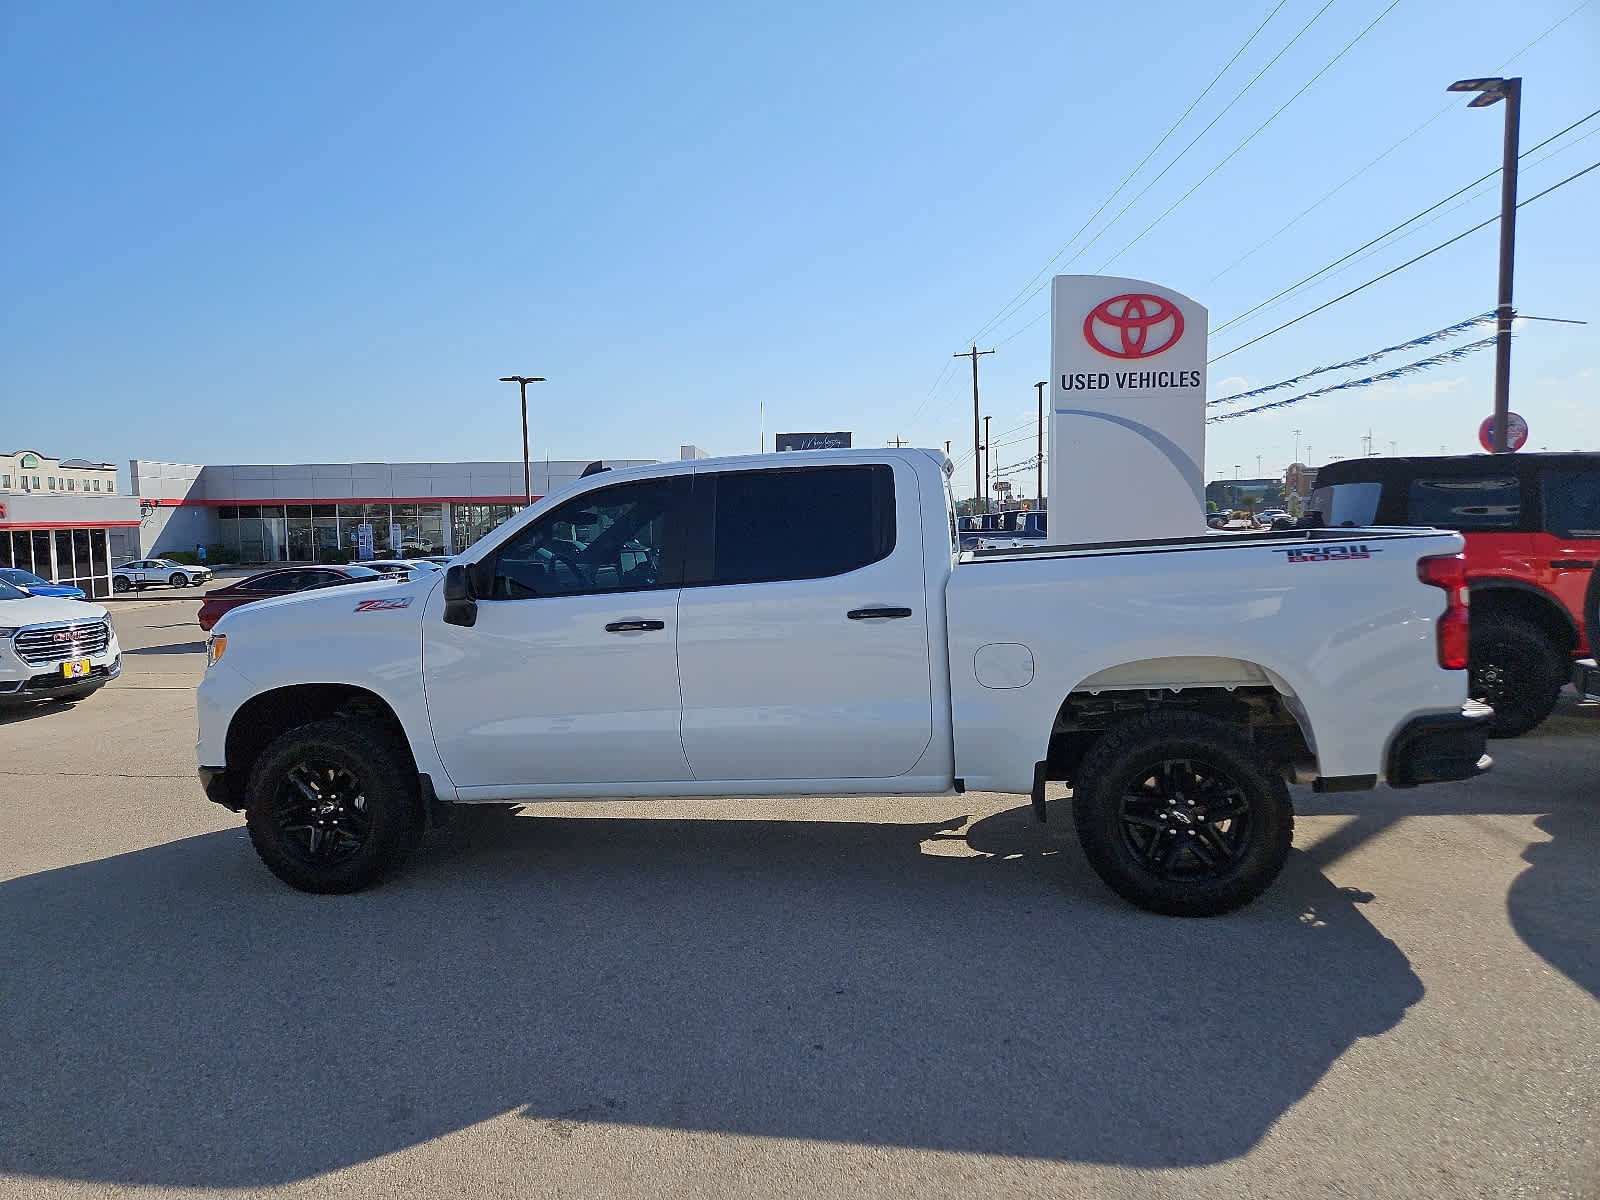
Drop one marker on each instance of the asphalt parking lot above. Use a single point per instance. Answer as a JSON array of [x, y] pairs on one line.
[[854, 998]]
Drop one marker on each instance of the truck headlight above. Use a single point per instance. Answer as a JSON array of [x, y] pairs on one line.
[[216, 647]]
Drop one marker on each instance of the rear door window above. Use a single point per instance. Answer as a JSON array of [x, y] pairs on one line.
[[803, 524], [1472, 503], [1572, 503]]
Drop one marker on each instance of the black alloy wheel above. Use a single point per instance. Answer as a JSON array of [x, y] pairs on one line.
[[321, 810], [333, 806], [1185, 819], [1181, 813], [1513, 668], [119, 584]]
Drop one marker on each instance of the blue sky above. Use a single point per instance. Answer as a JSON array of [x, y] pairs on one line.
[[319, 233]]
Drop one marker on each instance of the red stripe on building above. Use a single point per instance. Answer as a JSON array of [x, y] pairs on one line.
[[23, 526], [327, 500]]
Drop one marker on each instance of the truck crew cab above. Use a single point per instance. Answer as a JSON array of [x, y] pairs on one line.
[[806, 625]]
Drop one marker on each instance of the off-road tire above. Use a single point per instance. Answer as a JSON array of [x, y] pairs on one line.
[[1145, 827], [1513, 668], [354, 785]]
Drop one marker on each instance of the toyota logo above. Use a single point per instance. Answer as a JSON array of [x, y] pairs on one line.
[[1133, 326]]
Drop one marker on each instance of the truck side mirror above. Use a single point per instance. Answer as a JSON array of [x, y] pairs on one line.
[[460, 600]]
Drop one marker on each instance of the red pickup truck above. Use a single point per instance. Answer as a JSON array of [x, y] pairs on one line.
[[1532, 524]]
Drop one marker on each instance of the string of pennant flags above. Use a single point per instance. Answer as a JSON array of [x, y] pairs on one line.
[[1422, 364], [1438, 335]]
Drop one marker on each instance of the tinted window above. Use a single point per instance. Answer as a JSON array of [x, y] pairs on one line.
[[1572, 504], [615, 539], [7, 592], [1466, 503], [1347, 505], [276, 582], [805, 524]]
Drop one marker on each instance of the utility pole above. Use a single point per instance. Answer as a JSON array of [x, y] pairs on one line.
[[977, 465], [1296, 445], [986, 421], [1489, 91], [1258, 466], [1039, 478], [522, 382]]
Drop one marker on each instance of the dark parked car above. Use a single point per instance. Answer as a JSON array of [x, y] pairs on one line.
[[35, 586], [1532, 524], [280, 582]]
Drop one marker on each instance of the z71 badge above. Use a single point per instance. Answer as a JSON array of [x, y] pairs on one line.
[[386, 603], [1340, 553]]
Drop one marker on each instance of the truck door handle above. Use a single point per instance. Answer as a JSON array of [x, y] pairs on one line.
[[870, 614], [634, 626]]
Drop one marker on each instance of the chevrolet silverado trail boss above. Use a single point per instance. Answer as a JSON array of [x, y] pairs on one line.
[[805, 625]]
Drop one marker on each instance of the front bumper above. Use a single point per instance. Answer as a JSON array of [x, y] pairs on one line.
[[43, 684], [1441, 747], [214, 782], [1586, 678]]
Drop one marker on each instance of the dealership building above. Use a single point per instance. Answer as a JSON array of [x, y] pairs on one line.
[[316, 512], [65, 519]]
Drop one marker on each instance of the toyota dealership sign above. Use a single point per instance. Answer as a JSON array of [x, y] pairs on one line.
[[1127, 410]]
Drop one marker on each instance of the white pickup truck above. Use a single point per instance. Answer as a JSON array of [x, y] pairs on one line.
[[805, 625]]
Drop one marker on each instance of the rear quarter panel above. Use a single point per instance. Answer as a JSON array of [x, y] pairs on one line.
[[1351, 639]]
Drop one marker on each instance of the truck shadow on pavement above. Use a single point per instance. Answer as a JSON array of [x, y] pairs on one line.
[[176, 1017], [1554, 905]]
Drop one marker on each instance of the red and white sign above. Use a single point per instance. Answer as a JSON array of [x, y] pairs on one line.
[[1516, 433], [1127, 410]]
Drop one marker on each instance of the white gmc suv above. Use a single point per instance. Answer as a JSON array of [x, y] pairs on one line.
[[53, 648], [805, 625]]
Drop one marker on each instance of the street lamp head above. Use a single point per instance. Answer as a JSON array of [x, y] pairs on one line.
[[1490, 91]]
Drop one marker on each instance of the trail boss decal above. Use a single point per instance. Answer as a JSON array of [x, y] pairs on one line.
[[381, 605], [1340, 553]]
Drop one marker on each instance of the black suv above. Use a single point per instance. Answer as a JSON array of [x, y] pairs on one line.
[[1532, 524]]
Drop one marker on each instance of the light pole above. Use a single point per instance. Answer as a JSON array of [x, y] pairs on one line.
[[1489, 92], [522, 382], [986, 507], [1039, 475]]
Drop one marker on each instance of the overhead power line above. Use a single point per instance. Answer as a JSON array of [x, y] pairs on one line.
[[1396, 229], [1331, 193], [1252, 136], [1396, 270], [1034, 285]]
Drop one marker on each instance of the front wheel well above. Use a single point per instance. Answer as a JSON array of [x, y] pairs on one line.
[[262, 719], [1261, 713]]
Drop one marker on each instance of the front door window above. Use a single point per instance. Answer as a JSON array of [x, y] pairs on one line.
[[568, 677]]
